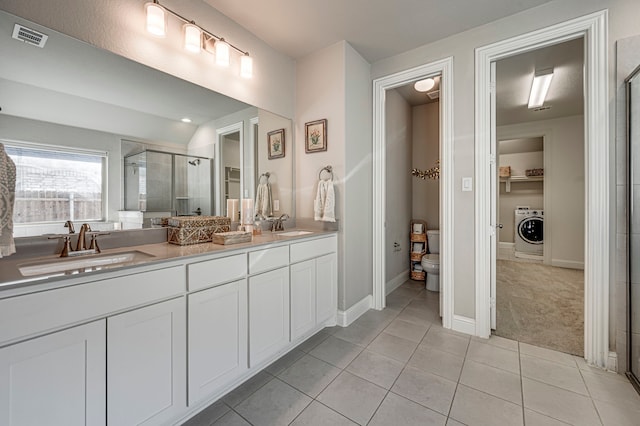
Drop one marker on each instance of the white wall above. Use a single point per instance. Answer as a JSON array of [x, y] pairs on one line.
[[564, 186], [118, 26], [426, 151], [622, 23], [333, 83], [281, 169], [398, 115]]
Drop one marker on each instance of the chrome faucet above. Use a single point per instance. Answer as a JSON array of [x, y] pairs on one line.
[[278, 224]]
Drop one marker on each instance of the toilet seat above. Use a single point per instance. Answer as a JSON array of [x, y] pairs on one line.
[[431, 259]]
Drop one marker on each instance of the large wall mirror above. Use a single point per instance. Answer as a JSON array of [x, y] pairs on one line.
[[154, 135]]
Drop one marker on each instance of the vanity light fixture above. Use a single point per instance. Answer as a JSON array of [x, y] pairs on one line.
[[192, 38], [156, 19], [246, 66], [222, 53], [195, 37], [186, 120], [540, 87], [424, 85]]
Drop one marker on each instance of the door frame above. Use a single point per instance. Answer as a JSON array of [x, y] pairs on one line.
[[444, 67], [593, 28], [220, 133]]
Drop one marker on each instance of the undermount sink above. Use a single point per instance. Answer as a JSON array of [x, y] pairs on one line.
[[294, 233], [85, 263]]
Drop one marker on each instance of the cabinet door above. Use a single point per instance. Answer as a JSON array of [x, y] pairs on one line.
[[58, 379], [217, 338], [326, 288], [303, 298], [268, 314], [146, 364]]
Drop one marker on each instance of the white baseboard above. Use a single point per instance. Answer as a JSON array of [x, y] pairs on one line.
[[345, 318], [612, 361], [464, 325], [396, 282], [570, 264]]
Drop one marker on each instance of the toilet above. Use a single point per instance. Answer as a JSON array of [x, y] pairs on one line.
[[431, 262]]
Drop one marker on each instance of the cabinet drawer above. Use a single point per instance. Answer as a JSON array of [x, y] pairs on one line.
[[267, 259], [310, 249], [217, 271], [41, 312]]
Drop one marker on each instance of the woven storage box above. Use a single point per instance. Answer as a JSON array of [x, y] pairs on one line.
[[418, 238], [417, 275], [534, 172], [505, 171], [195, 229], [233, 237]]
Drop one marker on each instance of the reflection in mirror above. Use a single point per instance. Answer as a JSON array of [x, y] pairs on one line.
[[73, 95]]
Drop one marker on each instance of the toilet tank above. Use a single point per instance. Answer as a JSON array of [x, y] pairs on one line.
[[433, 237]]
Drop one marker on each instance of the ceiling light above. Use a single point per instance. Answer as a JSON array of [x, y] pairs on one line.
[[246, 66], [186, 120], [192, 38], [540, 87], [222, 53], [156, 19], [424, 85]]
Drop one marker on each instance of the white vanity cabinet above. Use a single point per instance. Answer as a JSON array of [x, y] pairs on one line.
[[56, 379], [314, 284], [217, 348], [268, 314], [146, 364]]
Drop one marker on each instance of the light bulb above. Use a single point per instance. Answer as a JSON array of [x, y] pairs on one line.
[[424, 85], [246, 66], [156, 19], [192, 38], [222, 53]]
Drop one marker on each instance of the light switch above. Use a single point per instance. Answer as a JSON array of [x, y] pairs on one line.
[[467, 184]]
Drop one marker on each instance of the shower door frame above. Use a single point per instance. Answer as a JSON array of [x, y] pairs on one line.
[[635, 380]]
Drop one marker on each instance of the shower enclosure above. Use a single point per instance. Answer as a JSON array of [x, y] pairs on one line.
[[633, 154], [177, 184]]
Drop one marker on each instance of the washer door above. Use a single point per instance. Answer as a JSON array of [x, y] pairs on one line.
[[531, 230]]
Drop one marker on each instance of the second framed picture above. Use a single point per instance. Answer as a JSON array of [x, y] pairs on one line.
[[316, 136], [275, 143]]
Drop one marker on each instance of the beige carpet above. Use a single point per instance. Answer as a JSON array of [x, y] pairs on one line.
[[540, 305]]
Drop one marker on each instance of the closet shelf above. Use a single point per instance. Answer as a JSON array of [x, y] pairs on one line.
[[515, 179]]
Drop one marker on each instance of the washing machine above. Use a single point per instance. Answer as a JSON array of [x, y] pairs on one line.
[[529, 231]]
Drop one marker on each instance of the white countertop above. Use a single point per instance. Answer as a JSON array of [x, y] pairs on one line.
[[12, 278]]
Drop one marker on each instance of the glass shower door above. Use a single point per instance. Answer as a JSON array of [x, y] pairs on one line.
[[633, 115]]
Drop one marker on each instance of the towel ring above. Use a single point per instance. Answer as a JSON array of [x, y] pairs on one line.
[[329, 169], [266, 174]]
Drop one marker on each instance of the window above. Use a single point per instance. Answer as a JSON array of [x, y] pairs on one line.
[[57, 184]]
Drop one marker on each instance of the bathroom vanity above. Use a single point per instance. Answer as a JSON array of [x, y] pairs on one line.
[[157, 341]]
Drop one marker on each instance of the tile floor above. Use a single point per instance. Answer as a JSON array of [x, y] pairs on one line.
[[400, 367]]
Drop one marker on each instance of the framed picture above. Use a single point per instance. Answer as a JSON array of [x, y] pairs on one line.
[[316, 136], [275, 142]]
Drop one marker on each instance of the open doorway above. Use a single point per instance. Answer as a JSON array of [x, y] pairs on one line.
[[597, 177], [412, 123], [540, 199], [382, 85]]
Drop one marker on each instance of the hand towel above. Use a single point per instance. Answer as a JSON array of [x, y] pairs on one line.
[[7, 198], [264, 200], [325, 202]]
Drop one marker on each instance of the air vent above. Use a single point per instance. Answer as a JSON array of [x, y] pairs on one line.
[[543, 108], [30, 36], [434, 95]]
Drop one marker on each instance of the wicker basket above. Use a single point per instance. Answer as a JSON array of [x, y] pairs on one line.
[[195, 229], [418, 238], [417, 256], [417, 275]]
